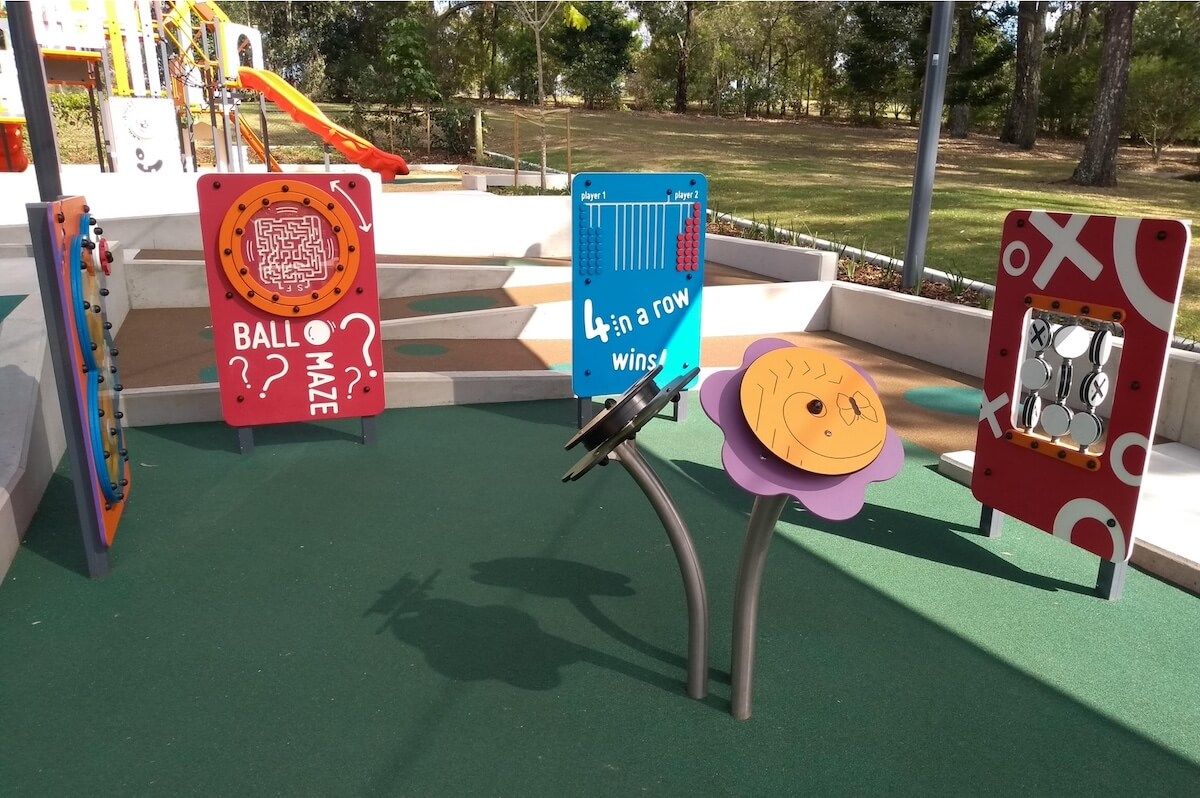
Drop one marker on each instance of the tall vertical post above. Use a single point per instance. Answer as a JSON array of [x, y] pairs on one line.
[[516, 147], [479, 156], [31, 78], [266, 134], [937, 64], [568, 150]]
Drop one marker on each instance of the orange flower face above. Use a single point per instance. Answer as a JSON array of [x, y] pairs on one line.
[[813, 411]]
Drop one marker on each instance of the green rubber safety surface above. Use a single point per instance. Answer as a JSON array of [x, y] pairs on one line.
[[207, 374], [958, 401], [415, 618], [8, 304], [563, 368], [452, 304], [422, 350]]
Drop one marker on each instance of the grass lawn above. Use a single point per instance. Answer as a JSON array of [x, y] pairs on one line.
[[853, 184], [848, 184]]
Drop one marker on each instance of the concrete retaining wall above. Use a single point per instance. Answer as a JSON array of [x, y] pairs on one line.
[[780, 261]]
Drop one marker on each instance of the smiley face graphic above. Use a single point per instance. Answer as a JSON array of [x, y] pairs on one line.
[[814, 411]]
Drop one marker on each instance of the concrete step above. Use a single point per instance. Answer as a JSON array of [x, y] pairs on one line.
[[181, 404], [180, 282]]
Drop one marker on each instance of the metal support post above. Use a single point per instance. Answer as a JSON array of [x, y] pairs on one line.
[[585, 411], [245, 437], [369, 431], [266, 136], [990, 522], [759, 532], [1110, 579], [937, 64], [679, 410], [94, 112], [685, 555], [31, 79]]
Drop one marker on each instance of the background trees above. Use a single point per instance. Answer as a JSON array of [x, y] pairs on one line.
[[1018, 70]]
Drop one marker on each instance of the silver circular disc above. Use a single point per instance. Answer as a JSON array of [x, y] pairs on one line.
[[1056, 420], [1093, 389], [1039, 334], [1100, 347], [1071, 341], [1035, 374], [1031, 411], [1086, 428]]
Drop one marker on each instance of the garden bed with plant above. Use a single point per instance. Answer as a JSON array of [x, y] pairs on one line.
[[860, 271]]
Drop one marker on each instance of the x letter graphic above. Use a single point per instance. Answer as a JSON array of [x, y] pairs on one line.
[[988, 412], [1064, 245]]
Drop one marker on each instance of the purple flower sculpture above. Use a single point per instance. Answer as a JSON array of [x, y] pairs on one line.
[[756, 469]]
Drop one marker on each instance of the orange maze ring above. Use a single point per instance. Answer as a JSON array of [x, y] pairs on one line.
[[289, 248]]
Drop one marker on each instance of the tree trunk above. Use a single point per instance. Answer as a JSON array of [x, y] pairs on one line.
[[537, 43], [492, 43], [681, 66], [962, 60], [1020, 124], [1098, 166]]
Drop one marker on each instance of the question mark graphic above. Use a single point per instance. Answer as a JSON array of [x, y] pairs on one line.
[[245, 367], [366, 347], [357, 377], [266, 385]]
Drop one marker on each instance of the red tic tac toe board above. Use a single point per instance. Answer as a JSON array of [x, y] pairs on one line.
[[1067, 417], [290, 263]]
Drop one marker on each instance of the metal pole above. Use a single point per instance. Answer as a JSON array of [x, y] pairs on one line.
[[266, 137], [937, 64], [568, 150], [428, 132], [31, 78], [759, 532], [94, 110], [685, 555], [60, 348], [206, 74]]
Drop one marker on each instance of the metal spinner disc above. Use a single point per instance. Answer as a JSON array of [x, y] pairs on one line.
[[621, 420]]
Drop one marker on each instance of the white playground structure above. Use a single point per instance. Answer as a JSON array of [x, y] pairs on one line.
[[163, 75]]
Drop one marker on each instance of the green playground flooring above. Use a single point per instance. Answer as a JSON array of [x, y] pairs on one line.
[[438, 615], [8, 303]]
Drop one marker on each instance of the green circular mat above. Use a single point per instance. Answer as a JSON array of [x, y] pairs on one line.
[[959, 401], [452, 304], [208, 374], [422, 350], [563, 368], [206, 333]]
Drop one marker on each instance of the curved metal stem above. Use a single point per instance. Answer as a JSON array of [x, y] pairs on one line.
[[759, 531], [689, 564]]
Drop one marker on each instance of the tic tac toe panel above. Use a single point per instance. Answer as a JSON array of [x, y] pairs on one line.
[[1081, 329], [290, 263], [637, 256]]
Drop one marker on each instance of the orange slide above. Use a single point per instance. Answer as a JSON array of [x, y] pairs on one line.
[[303, 110]]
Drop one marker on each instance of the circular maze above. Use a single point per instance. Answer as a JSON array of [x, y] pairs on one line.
[[89, 266]]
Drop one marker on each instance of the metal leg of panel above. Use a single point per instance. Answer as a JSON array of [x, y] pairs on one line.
[[246, 440], [1110, 580], [369, 430], [990, 522]]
